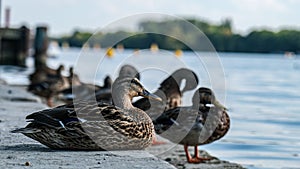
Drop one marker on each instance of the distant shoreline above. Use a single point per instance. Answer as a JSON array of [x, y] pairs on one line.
[[221, 37]]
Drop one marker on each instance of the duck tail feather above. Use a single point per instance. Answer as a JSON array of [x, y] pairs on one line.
[[46, 120], [26, 130]]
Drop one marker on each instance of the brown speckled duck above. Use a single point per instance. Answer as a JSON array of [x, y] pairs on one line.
[[203, 123], [95, 125]]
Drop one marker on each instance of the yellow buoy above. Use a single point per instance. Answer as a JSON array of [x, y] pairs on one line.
[[178, 53], [110, 52]]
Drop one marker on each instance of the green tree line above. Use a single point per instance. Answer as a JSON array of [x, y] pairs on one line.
[[220, 35]]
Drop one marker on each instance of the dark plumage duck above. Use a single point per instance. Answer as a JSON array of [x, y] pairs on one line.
[[170, 92], [50, 87], [95, 125], [204, 122]]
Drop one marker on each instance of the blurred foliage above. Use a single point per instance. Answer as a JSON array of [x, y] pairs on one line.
[[220, 35], [77, 39]]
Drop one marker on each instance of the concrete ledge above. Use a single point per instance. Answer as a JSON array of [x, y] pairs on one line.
[[38, 156], [175, 155], [17, 151], [10, 93]]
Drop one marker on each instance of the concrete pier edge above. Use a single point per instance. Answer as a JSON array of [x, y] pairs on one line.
[[16, 150]]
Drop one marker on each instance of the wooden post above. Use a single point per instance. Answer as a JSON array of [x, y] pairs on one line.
[[0, 12], [7, 17], [24, 45], [40, 47], [14, 44]]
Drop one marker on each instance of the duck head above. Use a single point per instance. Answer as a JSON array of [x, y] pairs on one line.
[[176, 78], [107, 82], [203, 97], [190, 77], [124, 89], [137, 89]]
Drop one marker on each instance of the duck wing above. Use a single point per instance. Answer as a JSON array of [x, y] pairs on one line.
[[56, 117], [182, 118], [93, 117]]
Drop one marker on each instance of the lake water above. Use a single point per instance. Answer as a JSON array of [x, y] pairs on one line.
[[262, 92]]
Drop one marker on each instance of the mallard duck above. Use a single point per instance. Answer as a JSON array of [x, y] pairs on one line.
[[204, 122], [169, 91], [50, 87], [44, 73], [95, 125]]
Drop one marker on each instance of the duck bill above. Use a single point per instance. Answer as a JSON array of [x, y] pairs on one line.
[[149, 95], [219, 105]]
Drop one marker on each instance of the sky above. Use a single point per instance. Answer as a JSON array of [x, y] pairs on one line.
[[64, 16]]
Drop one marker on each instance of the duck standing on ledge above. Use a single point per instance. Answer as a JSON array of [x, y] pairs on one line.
[[95, 126], [204, 122], [170, 93]]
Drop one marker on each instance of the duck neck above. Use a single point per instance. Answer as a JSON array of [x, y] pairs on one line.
[[122, 100]]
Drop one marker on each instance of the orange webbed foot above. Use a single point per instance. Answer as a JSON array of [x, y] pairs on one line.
[[197, 160]]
